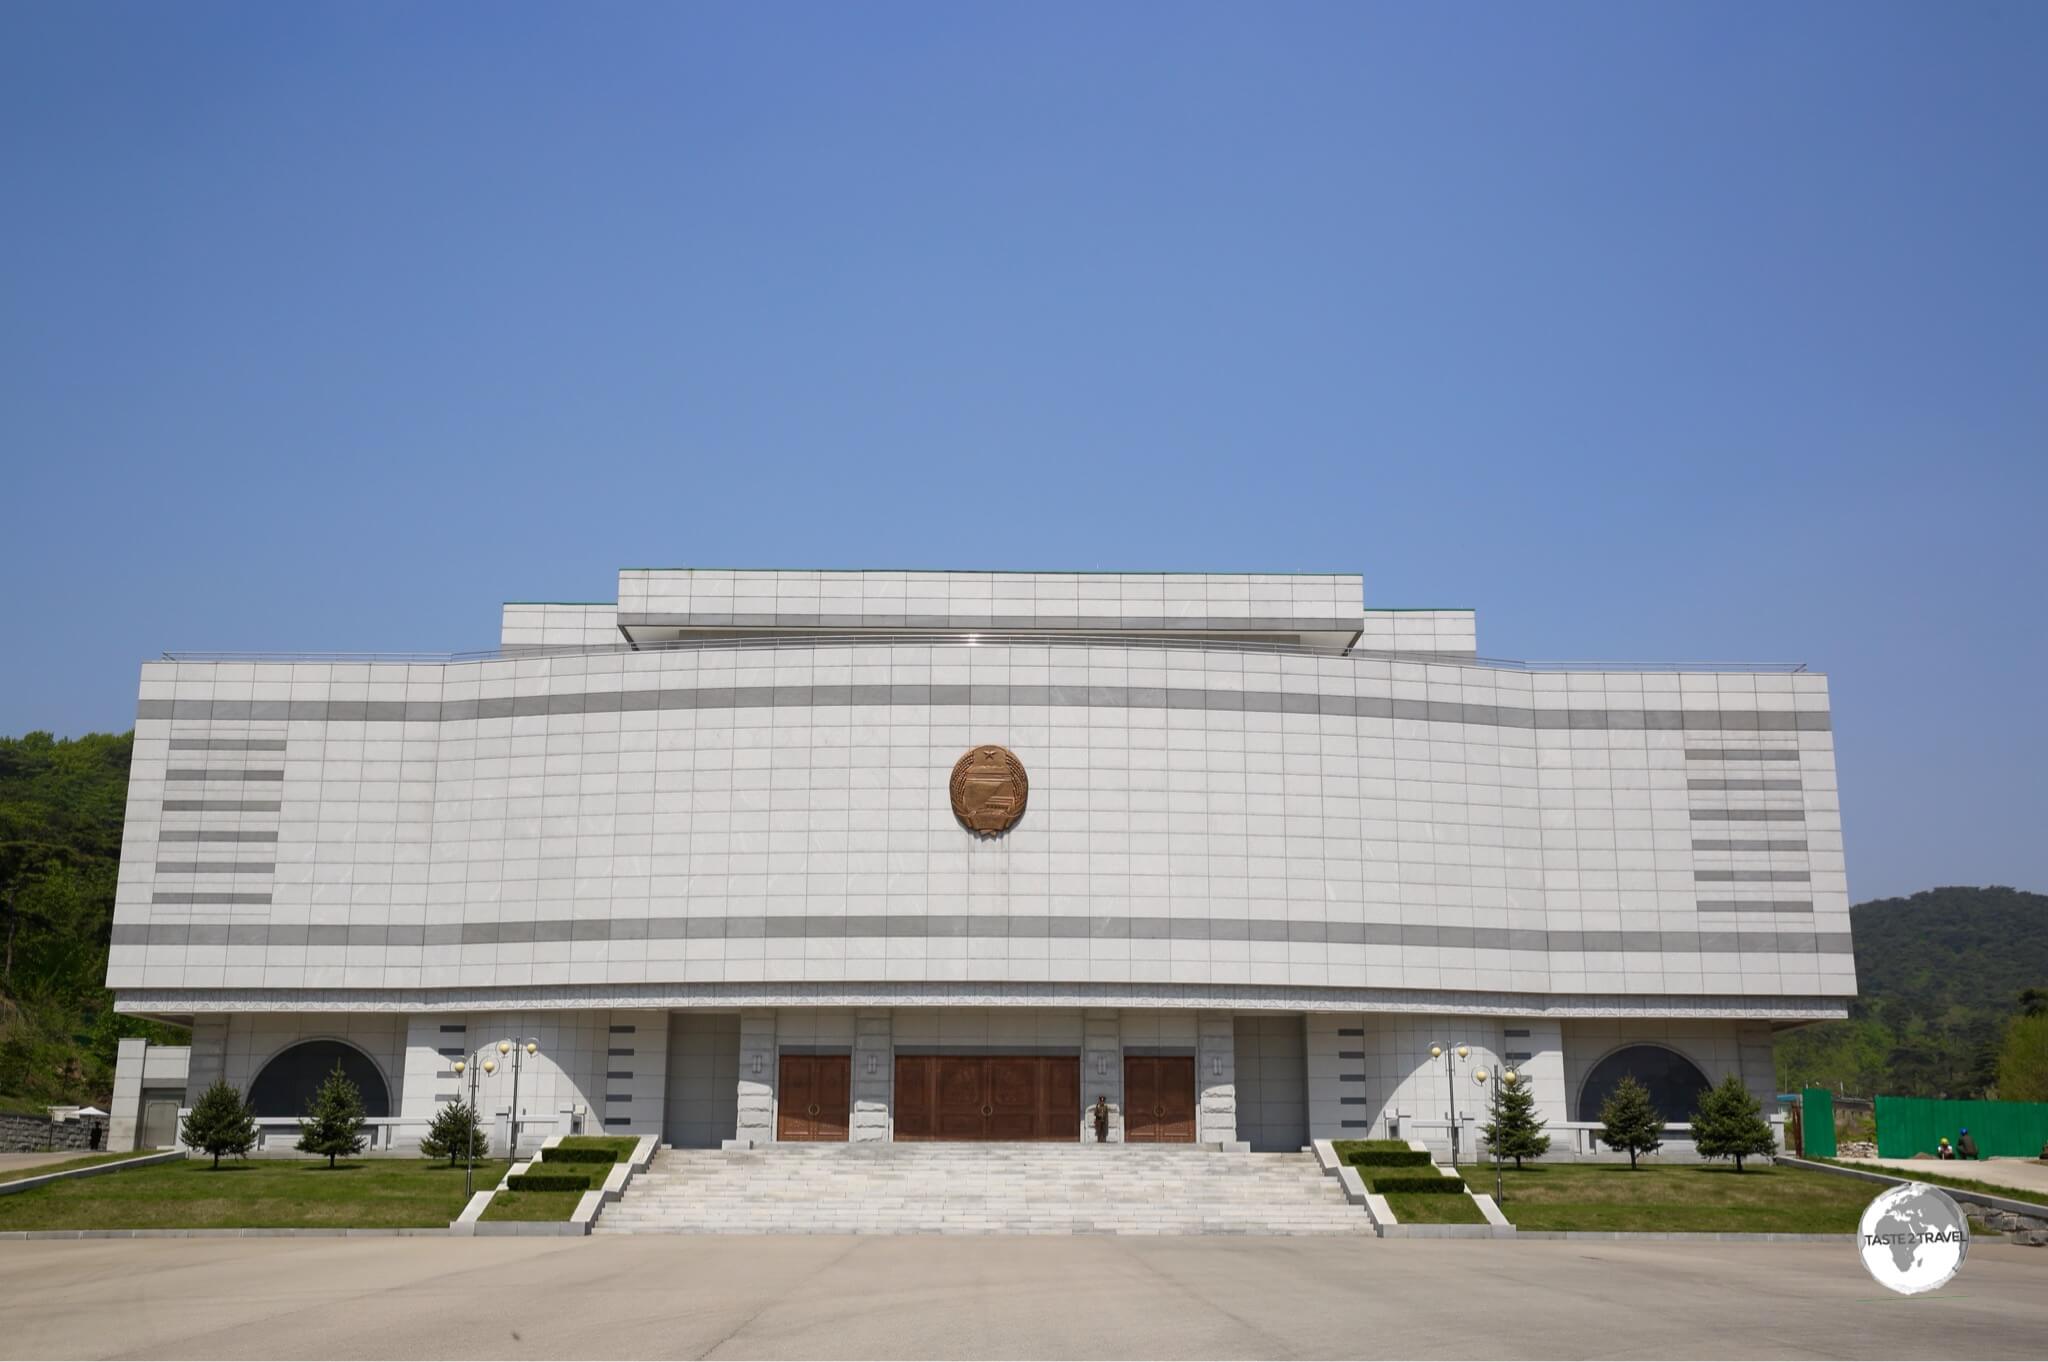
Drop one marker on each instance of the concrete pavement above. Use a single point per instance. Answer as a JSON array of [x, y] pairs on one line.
[[2028, 1177], [1003, 1297], [15, 1163]]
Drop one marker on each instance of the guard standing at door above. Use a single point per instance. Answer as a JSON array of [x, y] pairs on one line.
[[1102, 1120]]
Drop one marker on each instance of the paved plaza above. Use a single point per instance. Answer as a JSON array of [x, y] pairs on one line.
[[2028, 1178], [944, 1297]]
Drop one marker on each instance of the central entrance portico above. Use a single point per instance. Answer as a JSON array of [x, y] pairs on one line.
[[988, 1097]]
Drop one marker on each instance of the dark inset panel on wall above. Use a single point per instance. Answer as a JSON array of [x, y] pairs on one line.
[[287, 1083], [1272, 1081], [701, 1105], [1675, 1082]]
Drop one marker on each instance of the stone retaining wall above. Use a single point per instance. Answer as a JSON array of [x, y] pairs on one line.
[[34, 1134]]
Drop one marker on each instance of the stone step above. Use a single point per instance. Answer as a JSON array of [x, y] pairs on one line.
[[982, 1189]]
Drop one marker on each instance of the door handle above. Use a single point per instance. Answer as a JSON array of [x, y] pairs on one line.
[[813, 1111], [987, 1110]]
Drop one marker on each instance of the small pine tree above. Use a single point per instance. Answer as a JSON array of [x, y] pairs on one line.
[[220, 1122], [1630, 1122], [457, 1133], [1730, 1124], [335, 1124], [1516, 1132]]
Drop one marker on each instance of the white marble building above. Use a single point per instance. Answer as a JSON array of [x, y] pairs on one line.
[[698, 846]]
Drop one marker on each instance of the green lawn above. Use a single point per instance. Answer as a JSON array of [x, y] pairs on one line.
[[622, 1146], [1433, 1208], [1763, 1199], [532, 1206], [82, 1161], [255, 1194]]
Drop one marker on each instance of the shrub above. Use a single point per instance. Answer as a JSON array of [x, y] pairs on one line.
[[457, 1133], [1730, 1124], [1629, 1122], [335, 1124], [220, 1122], [561, 1155], [549, 1182], [1515, 1131], [1391, 1158], [1430, 1182]]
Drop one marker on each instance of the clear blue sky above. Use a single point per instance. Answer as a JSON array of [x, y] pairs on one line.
[[1669, 331]]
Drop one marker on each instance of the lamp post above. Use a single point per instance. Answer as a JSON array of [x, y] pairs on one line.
[[1446, 1053], [1493, 1082], [519, 1050], [487, 1065]]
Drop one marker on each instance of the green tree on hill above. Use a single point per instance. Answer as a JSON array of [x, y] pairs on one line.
[[1515, 1131], [335, 1124], [2023, 1060], [220, 1122], [1730, 1124], [1629, 1122]]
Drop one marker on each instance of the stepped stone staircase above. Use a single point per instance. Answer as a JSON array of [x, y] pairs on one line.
[[882, 1188]]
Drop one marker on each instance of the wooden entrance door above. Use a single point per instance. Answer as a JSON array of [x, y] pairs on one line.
[[815, 1101], [1159, 1099], [988, 1097]]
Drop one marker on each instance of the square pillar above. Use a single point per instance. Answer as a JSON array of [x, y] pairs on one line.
[[124, 1121], [1216, 1079], [756, 1119], [1102, 1071], [874, 1072]]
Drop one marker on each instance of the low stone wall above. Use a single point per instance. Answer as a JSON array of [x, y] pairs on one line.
[[34, 1134]]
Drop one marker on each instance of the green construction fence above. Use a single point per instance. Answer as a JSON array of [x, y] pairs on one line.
[[1915, 1125]]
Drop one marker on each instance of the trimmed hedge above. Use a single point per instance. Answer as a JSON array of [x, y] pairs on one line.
[[561, 1155], [1392, 1158], [1357, 1147], [1431, 1184], [549, 1182]]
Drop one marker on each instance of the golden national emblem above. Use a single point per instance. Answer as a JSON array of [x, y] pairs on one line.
[[989, 789]]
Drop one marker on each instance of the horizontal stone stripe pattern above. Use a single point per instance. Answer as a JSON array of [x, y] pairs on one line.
[[219, 773], [1122, 994], [1749, 815], [195, 900], [1752, 876], [1742, 785], [1742, 754], [215, 867], [227, 744], [1086, 697], [214, 835], [222, 805], [1756, 906], [941, 926], [1749, 844]]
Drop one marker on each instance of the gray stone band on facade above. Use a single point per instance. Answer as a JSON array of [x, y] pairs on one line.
[[1087, 697], [1122, 994], [940, 925], [1068, 621]]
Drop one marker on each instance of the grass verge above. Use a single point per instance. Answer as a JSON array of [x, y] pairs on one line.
[[255, 1194], [622, 1146], [1695, 1198], [65, 1166], [1393, 1159], [1431, 1208], [532, 1206]]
